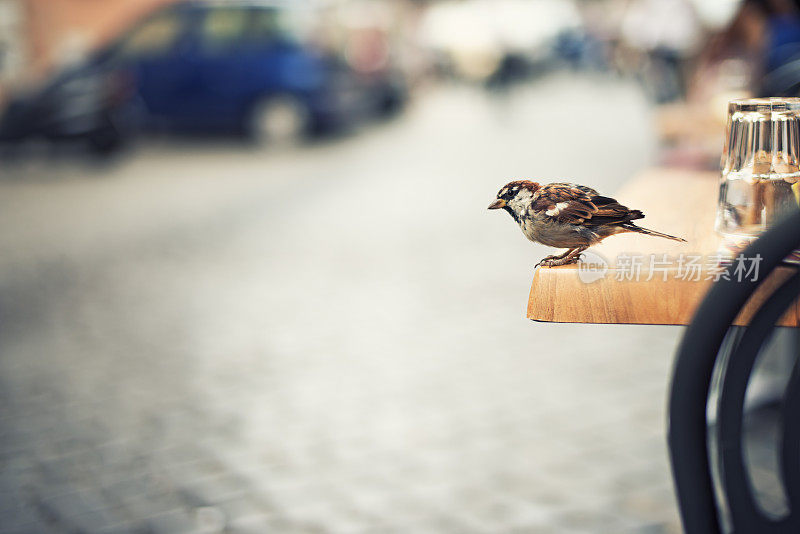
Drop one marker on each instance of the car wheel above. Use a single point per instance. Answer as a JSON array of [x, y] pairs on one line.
[[280, 120], [105, 141]]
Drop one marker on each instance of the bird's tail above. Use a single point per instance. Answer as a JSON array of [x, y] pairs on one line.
[[633, 228]]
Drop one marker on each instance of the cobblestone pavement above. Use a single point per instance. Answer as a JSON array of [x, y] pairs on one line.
[[332, 339]]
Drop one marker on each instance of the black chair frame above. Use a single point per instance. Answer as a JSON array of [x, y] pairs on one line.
[[710, 340]]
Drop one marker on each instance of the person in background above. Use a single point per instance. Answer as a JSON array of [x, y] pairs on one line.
[[756, 53], [765, 34]]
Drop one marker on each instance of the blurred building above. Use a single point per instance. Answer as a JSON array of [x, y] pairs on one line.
[[37, 35], [12, 42]]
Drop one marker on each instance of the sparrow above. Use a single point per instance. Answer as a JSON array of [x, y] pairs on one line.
[[569, 216]]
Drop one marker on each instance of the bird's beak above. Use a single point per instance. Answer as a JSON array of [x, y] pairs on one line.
[[497, 204]]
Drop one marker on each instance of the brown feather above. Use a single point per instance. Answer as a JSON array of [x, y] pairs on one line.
[[576, 204]]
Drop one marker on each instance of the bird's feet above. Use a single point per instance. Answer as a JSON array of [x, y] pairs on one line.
[[546, 261], [552, 261], [569, 257]]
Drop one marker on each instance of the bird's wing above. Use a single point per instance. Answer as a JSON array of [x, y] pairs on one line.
[[578, 204]]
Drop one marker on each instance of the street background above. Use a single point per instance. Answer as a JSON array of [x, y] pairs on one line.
[[280, 330], [331, 339]]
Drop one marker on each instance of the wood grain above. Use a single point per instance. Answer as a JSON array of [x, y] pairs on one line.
[[677, 202]]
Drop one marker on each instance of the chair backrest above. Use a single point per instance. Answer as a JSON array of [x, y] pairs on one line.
[[703, 347]]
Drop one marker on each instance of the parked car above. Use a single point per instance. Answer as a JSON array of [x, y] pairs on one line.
[[199, 66]]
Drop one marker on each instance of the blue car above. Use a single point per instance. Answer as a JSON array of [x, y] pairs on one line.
[[200, 66]]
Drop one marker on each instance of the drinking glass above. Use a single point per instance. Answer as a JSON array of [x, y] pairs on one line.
[[760, 167]]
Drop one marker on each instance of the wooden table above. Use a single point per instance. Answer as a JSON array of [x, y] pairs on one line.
[[677, 202]]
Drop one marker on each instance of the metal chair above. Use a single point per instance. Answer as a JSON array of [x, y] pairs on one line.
[[709, 341]]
